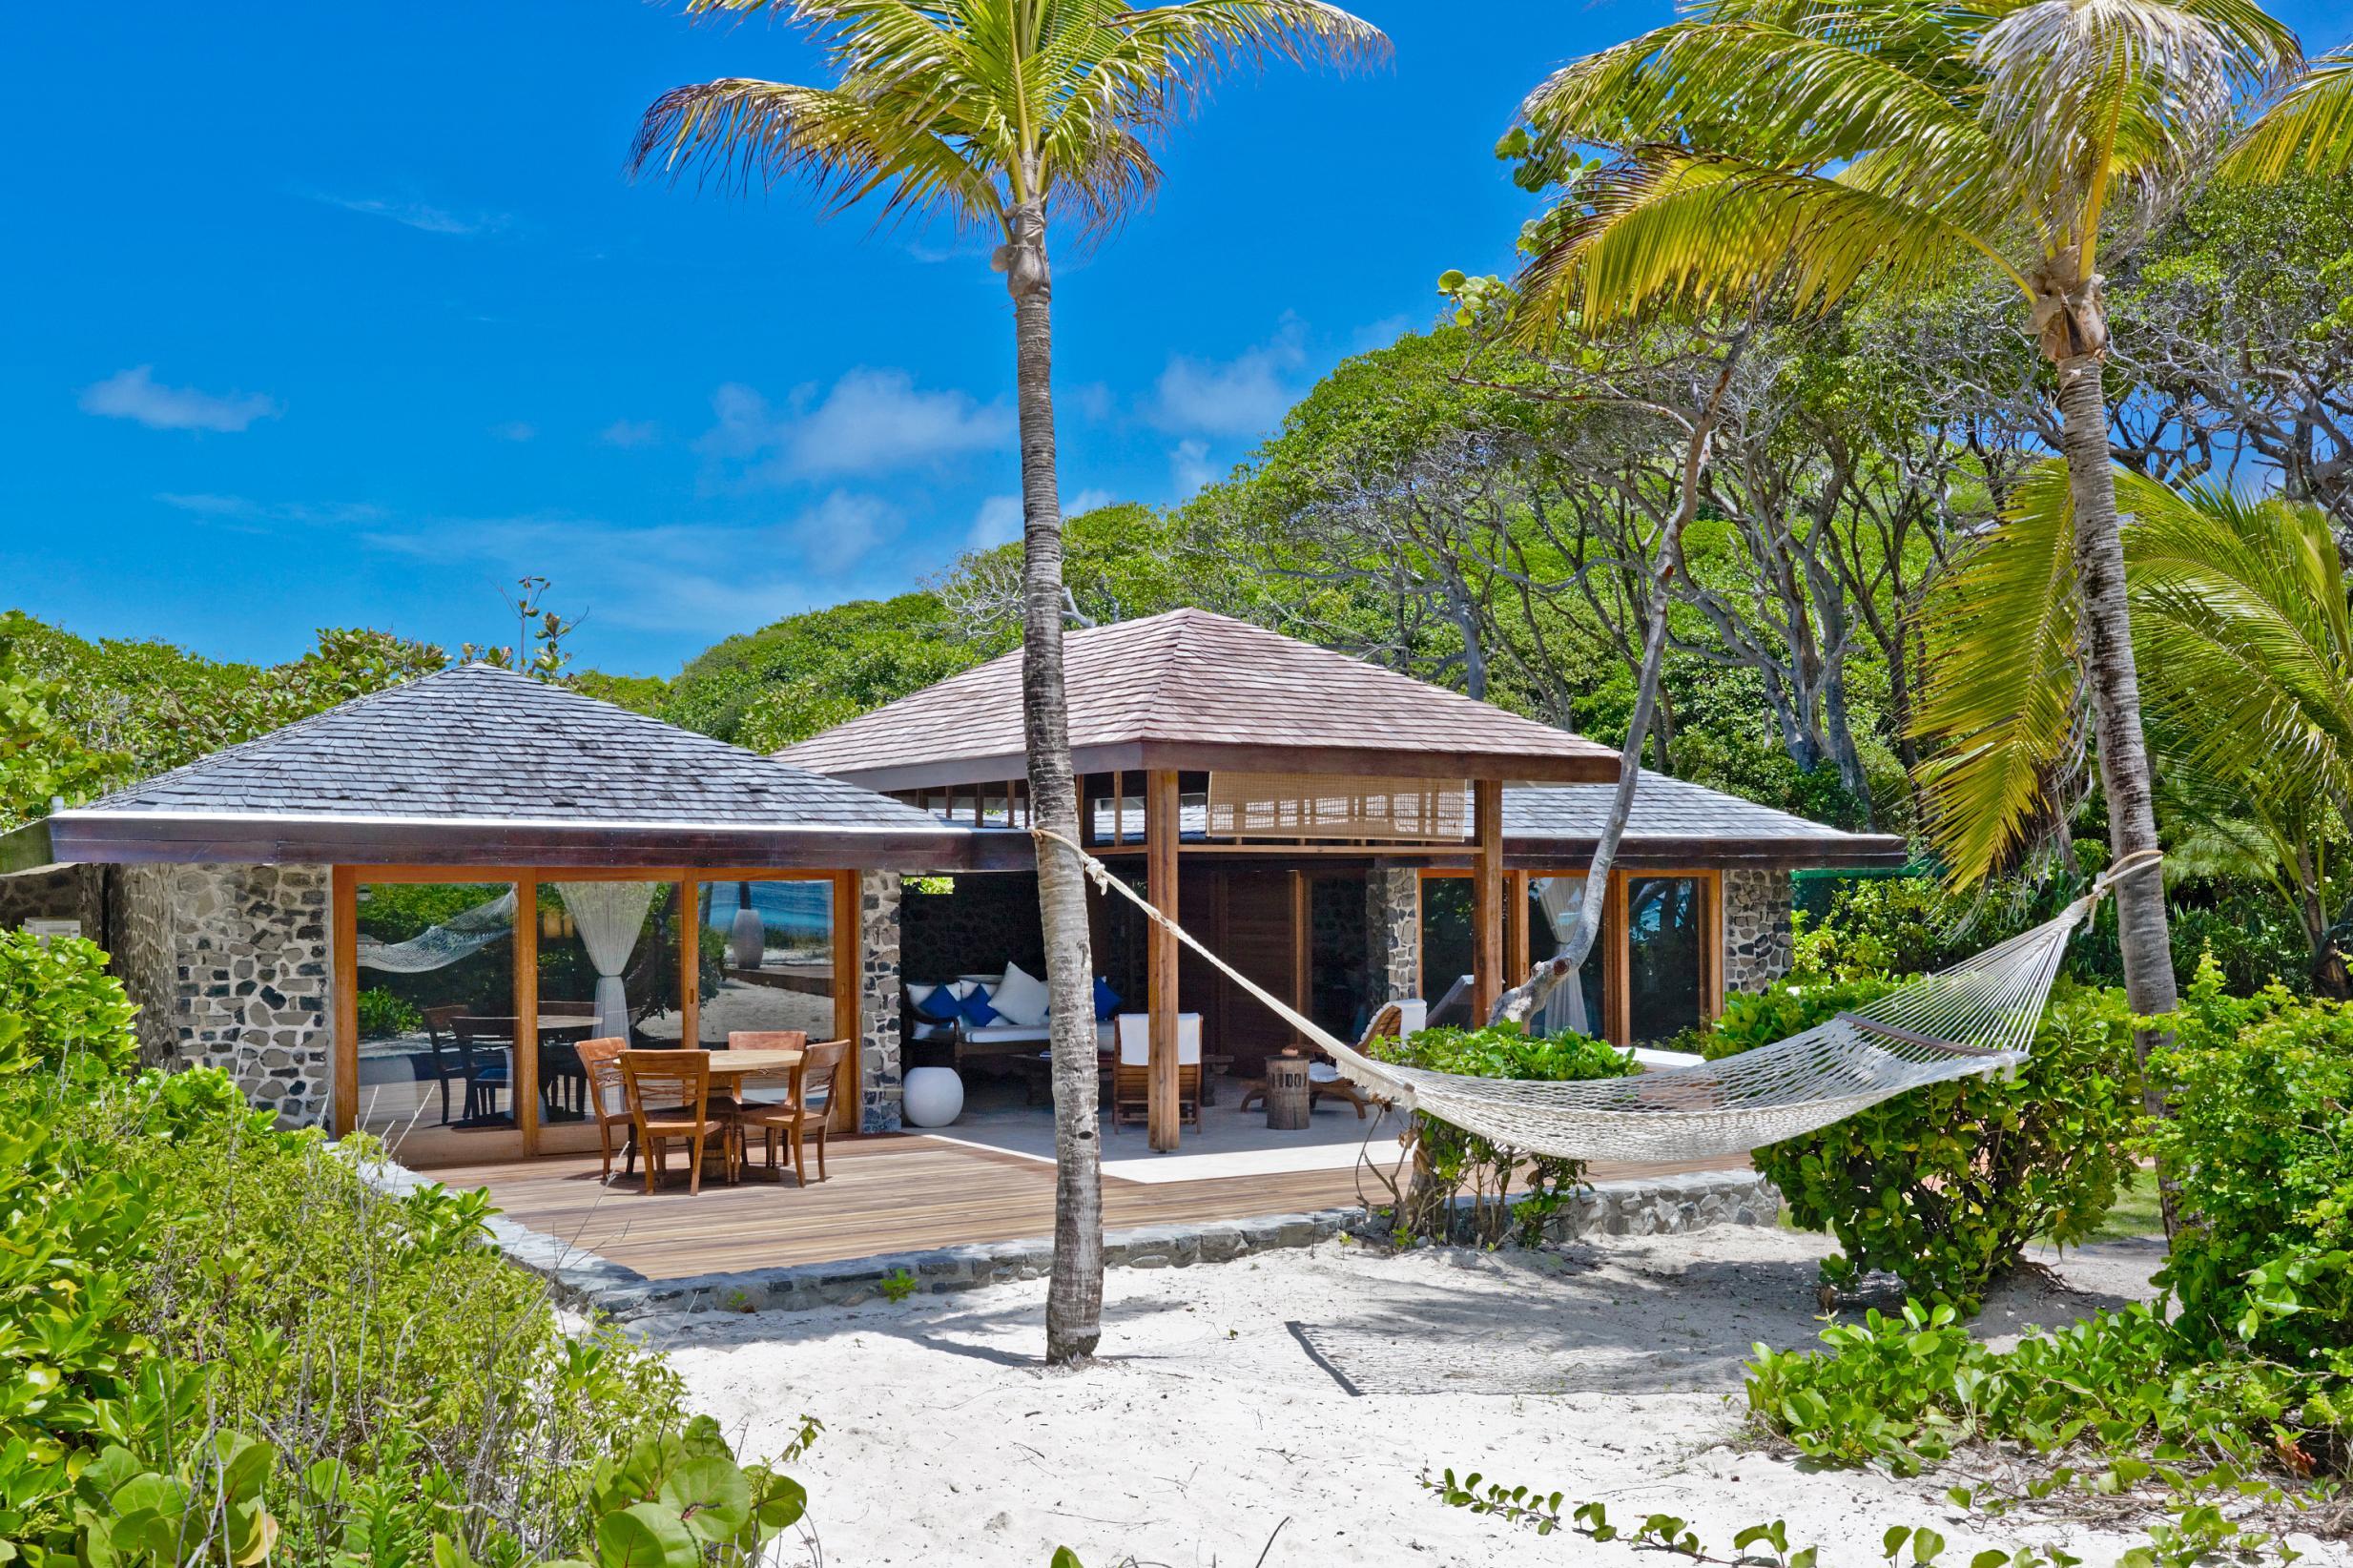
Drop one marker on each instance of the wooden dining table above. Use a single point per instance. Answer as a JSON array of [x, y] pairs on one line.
[[730, 1068]]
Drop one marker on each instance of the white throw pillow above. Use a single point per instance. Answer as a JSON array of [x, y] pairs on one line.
[[1019, 997]]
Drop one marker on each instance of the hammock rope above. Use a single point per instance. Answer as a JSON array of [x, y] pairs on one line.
[[1977, 1017]]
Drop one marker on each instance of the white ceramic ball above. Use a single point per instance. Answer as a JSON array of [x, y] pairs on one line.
[[931, 1097]]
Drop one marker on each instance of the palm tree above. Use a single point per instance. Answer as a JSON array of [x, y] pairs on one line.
[[2241, 618], [1821, 147], [1002, 116]]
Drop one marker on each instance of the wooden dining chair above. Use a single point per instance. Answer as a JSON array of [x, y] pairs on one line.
[[765, 1039], [670, 1102], [451, 1058], [608, 1098], [808, 1108]]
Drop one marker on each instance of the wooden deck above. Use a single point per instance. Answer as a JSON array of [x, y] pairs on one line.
[[888, 1194]]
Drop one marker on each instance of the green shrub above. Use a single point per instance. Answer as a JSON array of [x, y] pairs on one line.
[[1450, 1163], [1945, 1185], [1907, 1392], [382, 1014], [2258, 1143], [59, 1009]]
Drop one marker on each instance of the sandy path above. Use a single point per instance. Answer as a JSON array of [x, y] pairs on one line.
[[1218, 1413]]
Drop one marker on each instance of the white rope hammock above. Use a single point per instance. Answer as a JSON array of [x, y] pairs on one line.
[[1977, 1017]]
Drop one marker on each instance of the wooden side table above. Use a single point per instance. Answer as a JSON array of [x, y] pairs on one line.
[[1287, 1093]]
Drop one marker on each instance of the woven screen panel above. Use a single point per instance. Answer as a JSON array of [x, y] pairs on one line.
[[1337, 806]]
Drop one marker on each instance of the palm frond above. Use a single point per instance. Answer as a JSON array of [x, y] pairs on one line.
[[2309, 130], [2002, 707], [1662, 227]]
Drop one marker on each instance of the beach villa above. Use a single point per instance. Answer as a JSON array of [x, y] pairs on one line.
[[407, 915]]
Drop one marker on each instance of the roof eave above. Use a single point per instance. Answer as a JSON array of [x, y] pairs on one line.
[[1212, 756], [145, 838], [1764, 852]]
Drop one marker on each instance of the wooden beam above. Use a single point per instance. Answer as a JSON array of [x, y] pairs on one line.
[[1616, 1005], [849, 1002], [526, 1087], [1487, 897], [1160, 842], [1302, 948], [1519, 923], [690, 962], [346, 912]]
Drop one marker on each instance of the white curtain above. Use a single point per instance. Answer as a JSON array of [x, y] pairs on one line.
[[609, 916], [1561, 898]]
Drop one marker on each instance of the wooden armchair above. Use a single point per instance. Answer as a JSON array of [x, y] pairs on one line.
[[767, 1039], [670, 1102], [608, 1098], [808, 1108], [1132, 1074]]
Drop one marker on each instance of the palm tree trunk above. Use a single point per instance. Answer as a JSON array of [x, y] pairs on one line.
[[2106, 633], [1074, 1293]]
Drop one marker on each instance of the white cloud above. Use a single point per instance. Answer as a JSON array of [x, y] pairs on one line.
[[413, 215], [514, 430], [1188, 467], [135, 394], [1244, 396], [655, 577], [999, 520], [869, 422], [244, 509], [626, 433], [1093, 399], [1379, 333]]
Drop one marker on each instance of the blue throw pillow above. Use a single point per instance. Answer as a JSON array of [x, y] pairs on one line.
[[976, 1009], [1106, 999], [940, 1008]]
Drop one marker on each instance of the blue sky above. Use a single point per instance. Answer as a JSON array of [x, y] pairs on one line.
[[344, 315]]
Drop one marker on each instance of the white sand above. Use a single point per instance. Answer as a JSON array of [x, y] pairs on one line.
[[1610, 1372]]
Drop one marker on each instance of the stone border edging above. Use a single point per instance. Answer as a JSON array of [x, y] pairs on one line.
[[584, 1280]]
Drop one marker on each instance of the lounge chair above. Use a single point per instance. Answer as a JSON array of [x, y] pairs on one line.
[[1326, 1081]]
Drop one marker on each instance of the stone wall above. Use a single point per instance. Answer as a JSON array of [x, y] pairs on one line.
[[880, 901], [68, 893], [231, 968], [1758, 944], [1392, 933], [991, 920]]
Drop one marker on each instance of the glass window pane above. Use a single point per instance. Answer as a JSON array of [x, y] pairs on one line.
[[1667, 919], [767, 955], [437, 1019], [1553, 906], [1446, 943]]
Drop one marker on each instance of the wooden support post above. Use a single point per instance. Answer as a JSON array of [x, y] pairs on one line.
[[849, 996], [690, 962], [1486, 899], [1617, 1006], [525, 1089], [345, 980], [1302, 949], [1520, 923], [1160, 874]]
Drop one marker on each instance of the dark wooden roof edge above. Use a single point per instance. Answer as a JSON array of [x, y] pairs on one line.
[[1202, 756], [27, 848], [1850, 852], [141, 838]]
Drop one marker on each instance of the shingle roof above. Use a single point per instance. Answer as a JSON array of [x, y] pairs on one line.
[[1190, 689], [482, 744], [1675, 818]]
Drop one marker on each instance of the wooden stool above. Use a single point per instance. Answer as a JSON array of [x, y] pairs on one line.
[[1287, 1093]]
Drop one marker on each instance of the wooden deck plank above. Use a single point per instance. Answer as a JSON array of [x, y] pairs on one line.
[[887, 1194]]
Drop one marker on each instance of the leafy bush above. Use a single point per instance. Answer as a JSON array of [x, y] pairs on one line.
[[60, 1010], [1944, 1186], [1450, 1163], [218, 1343], [2127, 1386], [383, 1013], [2257, 1142]]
